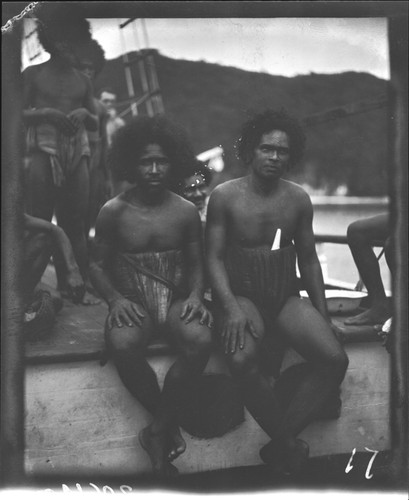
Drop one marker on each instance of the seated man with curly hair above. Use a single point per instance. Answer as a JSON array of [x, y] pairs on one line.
[[258, 308], [151, 275]]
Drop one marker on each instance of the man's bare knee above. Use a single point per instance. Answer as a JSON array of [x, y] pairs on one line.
[[194, 339], [125, 338], [242, 363], [336, 365]]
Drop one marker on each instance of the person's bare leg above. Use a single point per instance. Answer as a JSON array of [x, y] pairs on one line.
[[259, 397], [127, 346], [361, 235], [309, 334], [40, 190], [37, 253], [193, 342], [71, 215]]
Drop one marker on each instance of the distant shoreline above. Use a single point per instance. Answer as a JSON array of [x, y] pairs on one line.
[[350, 201]]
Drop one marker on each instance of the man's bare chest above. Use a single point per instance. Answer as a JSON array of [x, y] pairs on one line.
[[60, 89], [142, 231]]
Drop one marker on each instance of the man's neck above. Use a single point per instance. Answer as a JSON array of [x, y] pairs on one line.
[[60, 64], [263, 186], [148, 197]]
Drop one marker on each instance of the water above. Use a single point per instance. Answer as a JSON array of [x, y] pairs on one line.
[[332, 216]]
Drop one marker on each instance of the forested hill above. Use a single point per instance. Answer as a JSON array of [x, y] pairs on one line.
[[211, 101]]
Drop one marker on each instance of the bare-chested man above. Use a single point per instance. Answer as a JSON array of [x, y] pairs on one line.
[[151, 276], [91, 60], [258, 307], [59, 108]]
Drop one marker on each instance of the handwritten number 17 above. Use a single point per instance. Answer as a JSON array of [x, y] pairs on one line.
[[349, 466]]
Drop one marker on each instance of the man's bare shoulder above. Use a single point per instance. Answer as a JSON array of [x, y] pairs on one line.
[[182, 206], [228, 188], [296, 192]]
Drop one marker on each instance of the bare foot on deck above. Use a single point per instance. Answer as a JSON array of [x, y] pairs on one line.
[[288, 459], [176, 444], [155, 447], [378, 313]]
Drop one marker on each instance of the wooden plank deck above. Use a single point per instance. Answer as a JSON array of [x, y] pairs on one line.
[[80, 419]]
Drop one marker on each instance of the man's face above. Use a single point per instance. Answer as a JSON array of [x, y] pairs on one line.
[[153, 168], [86, 67], [271, 156], [66, 52], [108, 100], [195, 190]]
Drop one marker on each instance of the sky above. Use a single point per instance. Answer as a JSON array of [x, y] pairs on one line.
[[279, 46]]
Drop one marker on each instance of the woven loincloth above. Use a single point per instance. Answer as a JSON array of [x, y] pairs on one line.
[[267, 278], [65, 151], [152, 279]]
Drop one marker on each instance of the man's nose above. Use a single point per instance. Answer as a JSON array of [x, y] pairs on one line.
[[154, 167], [274, 154]]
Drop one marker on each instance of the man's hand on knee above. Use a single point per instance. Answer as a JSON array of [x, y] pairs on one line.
[[123, 311], [234, 330], [194, 307]]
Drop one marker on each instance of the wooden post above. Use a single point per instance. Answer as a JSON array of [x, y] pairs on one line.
[[12, 342], [398, 53]]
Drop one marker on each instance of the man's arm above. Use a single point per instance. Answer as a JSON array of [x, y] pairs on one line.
[[235, 322], [63, 245], [194, 305], [88, 113], [308, 263]]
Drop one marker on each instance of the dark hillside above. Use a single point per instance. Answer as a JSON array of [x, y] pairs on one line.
[[211, 101]]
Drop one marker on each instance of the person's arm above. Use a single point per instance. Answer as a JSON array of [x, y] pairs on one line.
[[194, 305], [61, 242], [121, 310], [37, 116], [88, 113], [308, 262], [235, 322], [108, 181]]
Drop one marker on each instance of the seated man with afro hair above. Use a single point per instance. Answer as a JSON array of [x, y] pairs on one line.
[[150, 272]]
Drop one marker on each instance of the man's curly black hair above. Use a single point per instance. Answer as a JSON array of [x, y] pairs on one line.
[[130, 141], [267, 121], [61, 23]]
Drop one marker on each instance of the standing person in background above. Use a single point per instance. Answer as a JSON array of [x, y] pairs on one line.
[[91, 60], [362, 234], [257, 305], [59, 109], [108, 99]]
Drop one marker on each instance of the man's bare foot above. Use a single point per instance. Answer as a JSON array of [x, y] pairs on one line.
[[376, 314], [155, 446], [288, 459], [176, 444]]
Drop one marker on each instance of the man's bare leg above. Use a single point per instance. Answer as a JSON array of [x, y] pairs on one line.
[[128, 348], [71, 216], [309, 334], [194, 343], [361, 235], [40, 189]]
